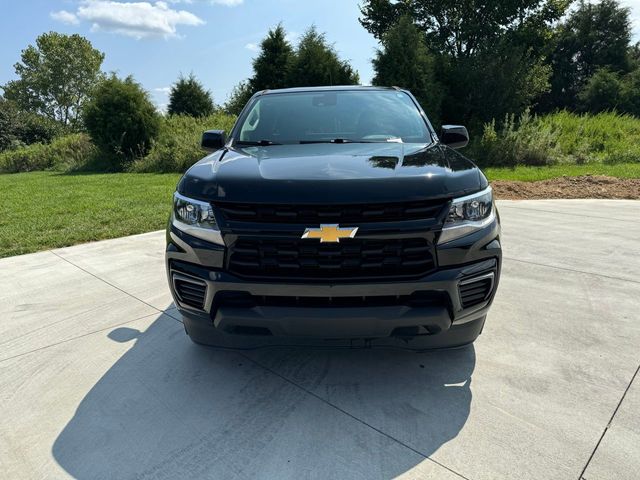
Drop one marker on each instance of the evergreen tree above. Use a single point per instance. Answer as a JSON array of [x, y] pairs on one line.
[[238, 98], [271, 66], [316, 63], [404, 61], [188, 97], [313, 63]]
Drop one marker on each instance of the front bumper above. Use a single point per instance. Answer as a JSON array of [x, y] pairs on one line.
[[427, 312]]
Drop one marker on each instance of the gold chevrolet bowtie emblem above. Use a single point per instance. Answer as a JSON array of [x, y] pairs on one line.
[[330, 233]]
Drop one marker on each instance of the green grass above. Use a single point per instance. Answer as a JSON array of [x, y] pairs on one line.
[[42, 210], [532, 174]]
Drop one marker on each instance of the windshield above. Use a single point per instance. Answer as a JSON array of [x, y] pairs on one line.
[[332, 116]]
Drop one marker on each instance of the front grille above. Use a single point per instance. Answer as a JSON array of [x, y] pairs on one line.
[[349, 259], [475, 290], [316, 214], [191, 292]]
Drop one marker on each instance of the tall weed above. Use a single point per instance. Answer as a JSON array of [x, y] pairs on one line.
[[178, 145], [67, 153], [559, 138]]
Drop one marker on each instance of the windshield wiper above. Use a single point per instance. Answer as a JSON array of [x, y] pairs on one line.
[[333, 140], [259, 143], [348, 140]]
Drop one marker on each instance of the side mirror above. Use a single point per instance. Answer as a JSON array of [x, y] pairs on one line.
[[455, 136], [213, 140]]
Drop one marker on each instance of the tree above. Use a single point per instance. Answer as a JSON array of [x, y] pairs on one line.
[[188, 97], [594, 36], [459, 28], [271, 66], [489, 55], [602, 92], [56, 77], [121, 119], [316, 63], [404, 61], [493, 84], [238, 98]]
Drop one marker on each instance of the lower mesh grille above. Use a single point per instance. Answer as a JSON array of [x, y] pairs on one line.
[[190, 291], [476, 290], [246, 300]]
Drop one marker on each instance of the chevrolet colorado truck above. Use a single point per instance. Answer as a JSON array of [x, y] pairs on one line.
[[334, 216]]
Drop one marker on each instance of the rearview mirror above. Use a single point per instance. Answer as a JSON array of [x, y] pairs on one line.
[[455, 136], [213, 140]]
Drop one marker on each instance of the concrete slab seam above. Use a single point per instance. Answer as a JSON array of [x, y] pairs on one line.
[[108, 283], [566, 269], [567, 213], [606, 428], [80, 336]]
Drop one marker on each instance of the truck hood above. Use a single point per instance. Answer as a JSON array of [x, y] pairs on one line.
[[332, 173]]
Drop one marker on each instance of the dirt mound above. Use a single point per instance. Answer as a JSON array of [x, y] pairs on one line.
[[587, 186]]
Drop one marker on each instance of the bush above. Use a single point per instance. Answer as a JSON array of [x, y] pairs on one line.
[[631, 92], [176, 149], [71, 152], [603, 92], [178, 144], [121, 120], [18, 128], [561, 137], [24, 159]]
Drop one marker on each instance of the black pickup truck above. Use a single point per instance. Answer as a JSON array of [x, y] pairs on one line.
[[334, 216]]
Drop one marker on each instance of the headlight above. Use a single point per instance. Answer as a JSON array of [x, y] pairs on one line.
[[195, 218], [468, 214]]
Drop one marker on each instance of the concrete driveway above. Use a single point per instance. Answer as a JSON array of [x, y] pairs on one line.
[[98, 380]]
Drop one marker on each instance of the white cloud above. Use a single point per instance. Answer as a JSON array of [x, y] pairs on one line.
[[65, 17], [163, 90], [133, 19], [254, 47], [226, 3]]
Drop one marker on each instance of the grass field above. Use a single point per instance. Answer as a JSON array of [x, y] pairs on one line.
[[532, 174], [42, 210]]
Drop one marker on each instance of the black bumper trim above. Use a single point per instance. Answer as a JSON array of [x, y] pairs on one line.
[[458, 335]]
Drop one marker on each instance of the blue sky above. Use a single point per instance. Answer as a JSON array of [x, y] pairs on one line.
[[155, 41]]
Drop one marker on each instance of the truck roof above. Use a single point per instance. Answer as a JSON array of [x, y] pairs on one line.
[[325, 89]]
